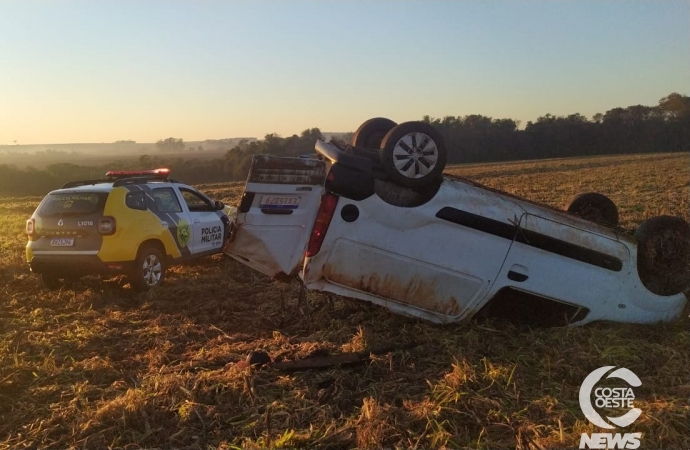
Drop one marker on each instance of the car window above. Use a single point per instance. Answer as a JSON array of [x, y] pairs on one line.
[[166, 200], [62, 204], [195, 202], [136, 200]]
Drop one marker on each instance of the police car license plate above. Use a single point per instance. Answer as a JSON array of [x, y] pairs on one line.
[[279, 201], [62, 242]]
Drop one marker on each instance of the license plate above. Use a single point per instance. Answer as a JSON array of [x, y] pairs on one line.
[[62, 242], [279, 201]]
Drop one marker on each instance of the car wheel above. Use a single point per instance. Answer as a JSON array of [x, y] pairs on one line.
[[594, 207], [413, 154], [371, 133], [663, 254], [51, 281], [149, 269]]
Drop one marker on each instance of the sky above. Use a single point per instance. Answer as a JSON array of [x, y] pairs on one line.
[[85, 71]]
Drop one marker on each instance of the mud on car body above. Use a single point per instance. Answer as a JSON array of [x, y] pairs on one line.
[[383, 225], [134, 223]]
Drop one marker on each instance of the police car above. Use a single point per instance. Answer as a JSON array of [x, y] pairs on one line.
[[133, 222]]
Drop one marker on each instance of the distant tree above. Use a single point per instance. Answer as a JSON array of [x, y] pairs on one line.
[[170, 145], [675, 110], [145, 161], [675, 106]]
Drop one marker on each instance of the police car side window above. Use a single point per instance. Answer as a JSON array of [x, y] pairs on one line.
[[136, 200], [195, 202], [166, 200]]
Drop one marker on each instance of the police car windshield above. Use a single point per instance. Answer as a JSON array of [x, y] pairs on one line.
[[70, 204]]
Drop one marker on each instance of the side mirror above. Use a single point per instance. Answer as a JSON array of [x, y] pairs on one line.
[[219, 205]]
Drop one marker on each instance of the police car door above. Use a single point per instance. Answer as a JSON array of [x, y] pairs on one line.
[[207, 226], [168, 207]]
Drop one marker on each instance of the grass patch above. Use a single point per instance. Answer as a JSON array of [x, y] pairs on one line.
[[98, 366]]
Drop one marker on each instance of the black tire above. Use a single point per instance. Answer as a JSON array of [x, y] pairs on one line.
[[663, 254], [149, 269], [413, 154], [371, 133], [594, 207], [52, 281]]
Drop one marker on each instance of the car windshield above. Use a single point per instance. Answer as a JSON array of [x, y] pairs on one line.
[[77, 203]]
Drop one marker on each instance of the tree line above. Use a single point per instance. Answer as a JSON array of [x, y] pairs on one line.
[[635, 129], [472, 138]]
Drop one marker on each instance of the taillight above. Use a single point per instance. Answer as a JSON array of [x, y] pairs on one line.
[[30, 226], [106, 225], [323, 220], [246, 203]]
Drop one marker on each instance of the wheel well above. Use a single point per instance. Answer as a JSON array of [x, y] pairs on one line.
[[524, 308], [155, 243], [397, 195]]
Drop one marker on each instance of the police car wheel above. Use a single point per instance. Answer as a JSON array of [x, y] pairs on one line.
[[149, 269]]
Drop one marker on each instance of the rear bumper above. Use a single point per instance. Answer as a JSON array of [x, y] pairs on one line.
[[76, 265]]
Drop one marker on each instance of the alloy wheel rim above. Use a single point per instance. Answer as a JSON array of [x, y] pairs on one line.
[[415, 155], [152, 270]]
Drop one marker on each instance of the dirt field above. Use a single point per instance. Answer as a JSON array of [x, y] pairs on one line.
[[97, 366]]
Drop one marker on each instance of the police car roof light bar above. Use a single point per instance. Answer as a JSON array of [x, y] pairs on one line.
[[153, 173], [141, 180]]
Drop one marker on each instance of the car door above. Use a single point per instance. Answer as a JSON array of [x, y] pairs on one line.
[[168, 207], [566, 263], [276, 213], [208, 230]]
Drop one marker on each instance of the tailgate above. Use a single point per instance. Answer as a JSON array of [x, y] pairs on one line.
[[277, 212]]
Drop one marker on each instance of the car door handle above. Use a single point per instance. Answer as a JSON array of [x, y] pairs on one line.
[[516, 276], [164, 223], [197, 221]]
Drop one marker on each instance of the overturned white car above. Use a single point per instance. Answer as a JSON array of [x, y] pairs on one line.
[[378, 221]]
